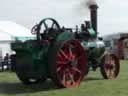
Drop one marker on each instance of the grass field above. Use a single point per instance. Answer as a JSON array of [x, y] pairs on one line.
[[93, 85]]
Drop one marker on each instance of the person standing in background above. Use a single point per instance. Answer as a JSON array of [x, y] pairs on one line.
[[13, 61], [7, 61]]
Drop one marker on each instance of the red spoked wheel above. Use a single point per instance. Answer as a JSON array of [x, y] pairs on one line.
[[110, 66], [68, 62]]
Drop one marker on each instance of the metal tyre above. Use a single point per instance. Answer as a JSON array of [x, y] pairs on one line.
[[110, 66], [28, 80], [67, 63]]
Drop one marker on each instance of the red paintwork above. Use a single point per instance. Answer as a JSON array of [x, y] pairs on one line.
[[71, 75], [120, 49]]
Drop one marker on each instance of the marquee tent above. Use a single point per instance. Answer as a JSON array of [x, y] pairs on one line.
[[9, 32]]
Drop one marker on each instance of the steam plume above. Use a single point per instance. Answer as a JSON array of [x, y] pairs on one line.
[[91, 2], [83, 6]]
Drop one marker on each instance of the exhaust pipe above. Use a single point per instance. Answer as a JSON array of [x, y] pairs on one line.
[[93, 15]]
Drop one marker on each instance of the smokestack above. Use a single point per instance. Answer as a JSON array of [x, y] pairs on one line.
[[93, 15]]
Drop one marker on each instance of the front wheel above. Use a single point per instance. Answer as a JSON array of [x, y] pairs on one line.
[[110, 66]]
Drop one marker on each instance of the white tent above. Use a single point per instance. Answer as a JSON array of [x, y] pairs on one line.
[[14, 30], [9, 31]]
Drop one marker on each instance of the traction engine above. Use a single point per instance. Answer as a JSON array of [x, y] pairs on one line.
[[63, 54]]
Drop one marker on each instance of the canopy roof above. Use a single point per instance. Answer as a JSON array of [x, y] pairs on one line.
[[9, 30]]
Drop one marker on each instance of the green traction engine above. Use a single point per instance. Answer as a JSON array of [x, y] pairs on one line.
[[63, 55]]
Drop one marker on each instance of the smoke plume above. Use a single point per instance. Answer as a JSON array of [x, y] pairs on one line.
[[87, 3], [82, 7], [90, 2]]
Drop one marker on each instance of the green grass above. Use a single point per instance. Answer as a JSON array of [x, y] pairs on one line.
[[93, 85]]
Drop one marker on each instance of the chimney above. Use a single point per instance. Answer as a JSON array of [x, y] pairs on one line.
[[93, 15]]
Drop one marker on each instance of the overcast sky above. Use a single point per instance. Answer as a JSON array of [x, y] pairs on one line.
[[112, 14]]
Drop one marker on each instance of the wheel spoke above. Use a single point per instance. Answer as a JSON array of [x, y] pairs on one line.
[[76, 70], [61, 63], [59, 68], [113, 69], [45, 25], [71, 55], [107, 59], [64, 78], [52, 25], [113, 65], [60, 57], [72, 78], [64, 54], [111, 74], [113, 62], [108, 73]]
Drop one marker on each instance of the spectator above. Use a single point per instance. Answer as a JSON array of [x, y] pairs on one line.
[[1, 63], [13, 61], [7, 60]]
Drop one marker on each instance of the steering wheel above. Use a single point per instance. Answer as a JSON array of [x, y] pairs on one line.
[[45, 28]]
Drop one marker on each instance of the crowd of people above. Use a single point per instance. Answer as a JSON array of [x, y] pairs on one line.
[[8, 62]]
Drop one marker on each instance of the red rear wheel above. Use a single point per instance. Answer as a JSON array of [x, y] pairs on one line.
[[69, 63], [110, 66]]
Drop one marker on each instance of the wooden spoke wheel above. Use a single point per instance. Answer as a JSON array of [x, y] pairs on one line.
[[110, 66], [67, 63]]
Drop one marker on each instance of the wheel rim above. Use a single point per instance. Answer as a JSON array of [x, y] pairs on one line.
[[111, 66], [71, 62]]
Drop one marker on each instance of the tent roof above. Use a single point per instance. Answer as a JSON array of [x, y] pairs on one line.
[[5, 36], [14, 29]]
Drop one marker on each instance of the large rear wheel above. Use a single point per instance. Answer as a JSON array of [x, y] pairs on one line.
[[68, 63], [29, 80], [24, 71]]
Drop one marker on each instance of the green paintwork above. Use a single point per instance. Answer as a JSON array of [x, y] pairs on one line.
[[24, 38], [65, 36], [91, 44], [84, 44], [30, 53], [92, 32], [96, 52], [37, 56]]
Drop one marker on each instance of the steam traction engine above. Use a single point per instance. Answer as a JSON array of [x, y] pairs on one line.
[[63, 55]]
